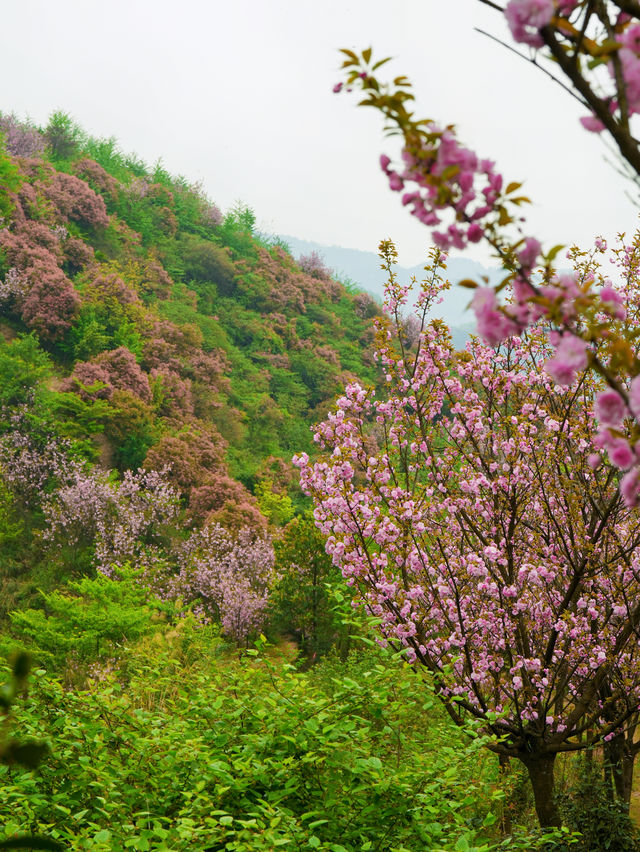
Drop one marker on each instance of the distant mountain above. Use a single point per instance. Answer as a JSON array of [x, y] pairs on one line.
[[363, 268]]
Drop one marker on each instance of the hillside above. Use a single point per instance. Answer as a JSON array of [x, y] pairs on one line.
[[141, 328], [363, 269], [201, 679]]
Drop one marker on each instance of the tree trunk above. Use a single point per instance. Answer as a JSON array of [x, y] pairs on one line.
[[540, 769], [619, 760]]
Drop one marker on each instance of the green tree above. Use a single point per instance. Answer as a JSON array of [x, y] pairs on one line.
[[301, 601], [63, 136], [23, 366]]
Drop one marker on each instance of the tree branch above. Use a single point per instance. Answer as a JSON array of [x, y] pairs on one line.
[[531, 60], [627, 145]]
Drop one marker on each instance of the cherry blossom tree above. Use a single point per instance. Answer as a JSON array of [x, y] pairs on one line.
[[123, 521], [594, 52], [468, 510]]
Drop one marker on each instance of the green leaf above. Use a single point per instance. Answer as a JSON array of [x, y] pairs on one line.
[[553, 253]]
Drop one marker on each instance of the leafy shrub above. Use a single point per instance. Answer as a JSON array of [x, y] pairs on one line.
[[300, 602], [589, 807], [85, 620], [246, 757], [23, 365]]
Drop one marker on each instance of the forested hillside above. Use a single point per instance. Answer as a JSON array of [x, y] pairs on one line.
[[148, 339]]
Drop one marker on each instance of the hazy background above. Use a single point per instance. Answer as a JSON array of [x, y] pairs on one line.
[[238, 95]]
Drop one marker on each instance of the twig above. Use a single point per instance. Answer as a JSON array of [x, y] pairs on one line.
[[492, 4], [530, 60]]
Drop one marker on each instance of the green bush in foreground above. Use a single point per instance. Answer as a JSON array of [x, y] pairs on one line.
[[178, 750]]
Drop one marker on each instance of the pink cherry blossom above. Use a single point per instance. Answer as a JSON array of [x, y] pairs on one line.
[[492, 323], [527, 17], [630, 487], [591, 123], [620, 453], [634, 397], [614, 300], [528, 255], [610, 408], [570, 358]]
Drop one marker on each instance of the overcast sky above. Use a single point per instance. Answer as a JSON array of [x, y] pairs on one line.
[[237, 93]]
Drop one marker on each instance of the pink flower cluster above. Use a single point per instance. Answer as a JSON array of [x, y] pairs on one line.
[[527, 17], [14, 287], [447, 176], [21, 139], [31, 463], [228, 576], [122, 521], [570, 359]]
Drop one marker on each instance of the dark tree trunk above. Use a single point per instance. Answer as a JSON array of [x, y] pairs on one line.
[[619, 760], [540, 769]]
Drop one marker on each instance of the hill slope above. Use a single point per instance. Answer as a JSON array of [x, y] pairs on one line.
[[142, 328]]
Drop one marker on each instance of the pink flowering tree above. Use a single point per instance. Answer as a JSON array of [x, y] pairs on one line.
[[21, 138], [463, 198], [227, 577], [468, 510], [122, 521], [32, 461]]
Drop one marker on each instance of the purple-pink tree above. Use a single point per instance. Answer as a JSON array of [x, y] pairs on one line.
[[123, 521], [468, 510], [228, 577]]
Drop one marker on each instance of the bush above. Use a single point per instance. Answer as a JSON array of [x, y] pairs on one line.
[[179, 755], [589, 807]]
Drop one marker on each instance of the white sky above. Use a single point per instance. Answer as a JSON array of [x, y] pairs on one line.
[[237, 93]]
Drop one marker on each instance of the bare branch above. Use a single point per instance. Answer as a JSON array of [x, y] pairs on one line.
[[626, 143], [532, 61]]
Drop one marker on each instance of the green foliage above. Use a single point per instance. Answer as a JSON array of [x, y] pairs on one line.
[[248, 756], [27, 753], [107, 153], [236, 231], [88, 335], [130, 428], [315, 374], [589, 807], [86, 619], [23, 367], [63, 137], [301, 602], [204, 261], [79, 420], [10, 181], [11, 529], [276, 507]]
